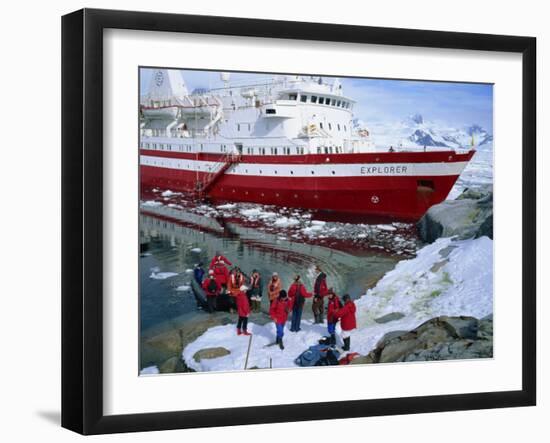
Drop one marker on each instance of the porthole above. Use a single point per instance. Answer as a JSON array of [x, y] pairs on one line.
[[312, 172], [333, 172], [291, 172]]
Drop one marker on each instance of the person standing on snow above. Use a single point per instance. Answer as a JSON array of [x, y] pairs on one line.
[[212, 290], [333, 306], [279, 310], [274, 288], [243, 310], [320, 291], [298, 294], [348, 322], [255, 291]]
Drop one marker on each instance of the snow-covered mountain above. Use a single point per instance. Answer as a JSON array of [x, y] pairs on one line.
[[416, 131]]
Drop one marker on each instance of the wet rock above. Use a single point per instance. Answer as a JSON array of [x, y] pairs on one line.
[[210, 353], [169, 366], [392, 316], [362, 360], [470, 215], [441, 338]]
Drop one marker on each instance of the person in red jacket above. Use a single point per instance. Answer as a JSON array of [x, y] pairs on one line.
[[333, 306], [279, 310], [320, 291], [212, 290], [243, 310], [298, 294], [221, 274], [219, 257], [348, 323]]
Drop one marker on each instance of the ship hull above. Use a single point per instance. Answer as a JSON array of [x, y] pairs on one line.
[[393, 185]]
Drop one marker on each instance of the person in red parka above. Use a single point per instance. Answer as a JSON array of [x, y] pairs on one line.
[[333, 306], [221, 274], [320, 291], [243, 310], [346, 314], [212, 290], [298, 294], [219, 257], [279, 310]]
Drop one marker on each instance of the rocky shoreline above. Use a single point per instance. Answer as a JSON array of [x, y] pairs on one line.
[[441, 338], [469, 216]]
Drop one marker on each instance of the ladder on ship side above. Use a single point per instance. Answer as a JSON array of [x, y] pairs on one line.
[[203, 186]]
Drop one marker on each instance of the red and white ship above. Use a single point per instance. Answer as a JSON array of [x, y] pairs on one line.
[[287, 141]]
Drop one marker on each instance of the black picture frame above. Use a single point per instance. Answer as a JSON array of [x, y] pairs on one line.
[[82, 218]]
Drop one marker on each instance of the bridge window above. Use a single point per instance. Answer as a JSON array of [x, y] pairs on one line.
[[238, 127], [321, 125], [333, 103], [321, 100], [338, 126], [292, 96], [318, 149], [338, 103], [303, 98], [313, 99], [330, 126]]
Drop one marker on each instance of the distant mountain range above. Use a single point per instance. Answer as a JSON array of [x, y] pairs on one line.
[[415, 131]]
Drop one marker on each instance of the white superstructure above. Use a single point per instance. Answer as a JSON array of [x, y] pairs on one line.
[[276, 115]]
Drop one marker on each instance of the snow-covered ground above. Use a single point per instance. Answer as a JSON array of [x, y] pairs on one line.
[[445, 278]]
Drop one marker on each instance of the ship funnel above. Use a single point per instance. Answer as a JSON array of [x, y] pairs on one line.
[[166, 85]]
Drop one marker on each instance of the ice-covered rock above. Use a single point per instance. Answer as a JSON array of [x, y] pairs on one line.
[[469, 216]]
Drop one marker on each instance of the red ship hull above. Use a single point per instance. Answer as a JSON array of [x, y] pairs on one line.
[[396, 185]]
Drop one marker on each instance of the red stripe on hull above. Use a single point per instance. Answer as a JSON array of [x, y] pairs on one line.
[[401, 197]]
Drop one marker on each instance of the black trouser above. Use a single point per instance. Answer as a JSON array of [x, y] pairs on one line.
[[211, 303], [242, 323]]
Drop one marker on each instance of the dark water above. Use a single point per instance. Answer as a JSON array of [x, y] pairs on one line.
[[177, 236]]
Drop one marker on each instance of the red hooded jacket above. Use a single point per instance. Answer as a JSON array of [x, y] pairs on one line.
[[347, 316], [333, 306], [206, 287], [221, 274], [320, 289], [279, 310], [219, 258], [297, 289], [243, 307]]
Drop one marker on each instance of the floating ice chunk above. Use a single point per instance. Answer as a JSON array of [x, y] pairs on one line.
[[254, 212], [227, 206], [318, 222], [151, 203], [386, 227], [169, 193], [188, 271], [162, 275], [285, 222], [362, 235], [183, 288], [149, 370], [196, 250]]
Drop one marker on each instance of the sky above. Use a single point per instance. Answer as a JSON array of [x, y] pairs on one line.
[[384, 101]]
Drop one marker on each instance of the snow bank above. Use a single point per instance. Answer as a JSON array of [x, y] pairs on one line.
[[260, 354], [150, 370], [445, 278]]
